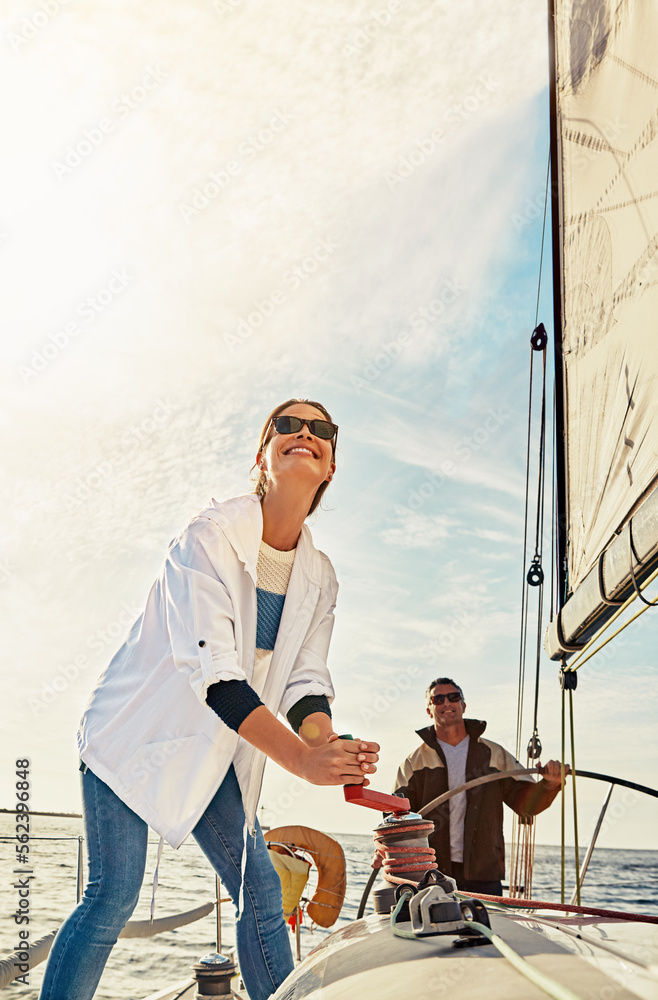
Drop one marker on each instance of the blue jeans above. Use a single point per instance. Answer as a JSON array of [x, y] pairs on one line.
[[116, 844]]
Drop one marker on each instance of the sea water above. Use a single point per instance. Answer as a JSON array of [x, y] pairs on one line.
[[618, 879]]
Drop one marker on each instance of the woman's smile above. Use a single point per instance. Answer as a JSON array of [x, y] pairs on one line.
[[301, 449]]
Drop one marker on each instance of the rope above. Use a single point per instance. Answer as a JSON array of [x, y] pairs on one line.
[[562, 801], [541, 904], [575, 801], [524, 583], [554, 555], [398, 932], [522, 839], [397, 858]]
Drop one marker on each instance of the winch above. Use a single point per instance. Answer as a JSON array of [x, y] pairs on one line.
[[413, 890]]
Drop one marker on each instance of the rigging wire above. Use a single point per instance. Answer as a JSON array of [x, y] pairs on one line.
[[524, 583], [539, 530], [543, 233], [523, 831], [553, 499], [575, 802], [562, 800]]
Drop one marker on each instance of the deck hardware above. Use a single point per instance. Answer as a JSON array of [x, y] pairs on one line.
[[213, 974], [539, 338]]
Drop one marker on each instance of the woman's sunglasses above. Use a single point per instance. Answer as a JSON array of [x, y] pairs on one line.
[[438, 699], [322, 429]]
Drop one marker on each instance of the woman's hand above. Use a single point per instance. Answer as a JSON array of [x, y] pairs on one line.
[[339, 762], [331, 761]]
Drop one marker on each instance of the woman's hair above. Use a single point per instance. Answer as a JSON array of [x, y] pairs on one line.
[[265, 435]]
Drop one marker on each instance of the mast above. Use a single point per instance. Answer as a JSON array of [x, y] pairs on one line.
[[556, 233]]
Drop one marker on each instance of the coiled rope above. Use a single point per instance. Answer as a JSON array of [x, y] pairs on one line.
[[397, 858]]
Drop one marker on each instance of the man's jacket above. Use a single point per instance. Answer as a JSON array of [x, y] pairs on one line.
[[147, 731], [423, 776]]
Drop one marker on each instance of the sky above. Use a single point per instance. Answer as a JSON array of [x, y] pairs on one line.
[[212, 207]]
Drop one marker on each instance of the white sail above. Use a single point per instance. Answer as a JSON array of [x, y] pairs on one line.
[[607, 126]]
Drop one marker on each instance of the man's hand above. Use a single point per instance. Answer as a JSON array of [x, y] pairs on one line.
[[552, 772], [339, 762]]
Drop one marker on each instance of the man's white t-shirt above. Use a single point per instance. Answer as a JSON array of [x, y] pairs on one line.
[[456, 760]]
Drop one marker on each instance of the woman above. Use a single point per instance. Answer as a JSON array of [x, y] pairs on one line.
[[160, 739]]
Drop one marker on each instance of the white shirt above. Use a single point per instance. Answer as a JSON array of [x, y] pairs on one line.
[[456, 761], [147, 731]]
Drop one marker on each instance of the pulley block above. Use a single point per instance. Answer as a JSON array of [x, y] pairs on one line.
[[534, 747], [539, 338], [535, 575], [568, 679]]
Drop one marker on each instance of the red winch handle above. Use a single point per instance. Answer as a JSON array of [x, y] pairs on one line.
[[371, 799], [380, 801]]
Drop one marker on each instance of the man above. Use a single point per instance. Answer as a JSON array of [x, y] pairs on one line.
[[468, 833]]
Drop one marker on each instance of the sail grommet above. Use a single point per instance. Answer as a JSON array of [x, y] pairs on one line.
[[568, 679], [539, 338]]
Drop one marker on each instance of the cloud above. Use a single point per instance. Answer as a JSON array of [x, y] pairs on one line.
[[489, 535], [418, 531]]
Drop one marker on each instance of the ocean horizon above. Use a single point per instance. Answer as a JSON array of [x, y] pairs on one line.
[[617, 879]]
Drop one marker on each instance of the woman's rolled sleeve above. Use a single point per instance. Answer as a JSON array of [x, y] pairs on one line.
[[200, 614], [310, 674]]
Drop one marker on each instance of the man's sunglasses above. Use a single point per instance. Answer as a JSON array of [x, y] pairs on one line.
[[438, 699], [323, 429]]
